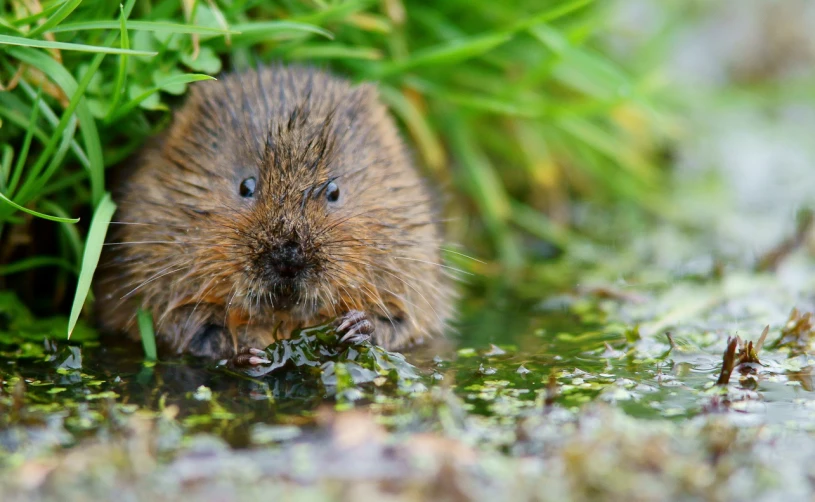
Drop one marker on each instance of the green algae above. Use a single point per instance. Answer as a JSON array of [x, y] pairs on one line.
[[587, 383], [317, 356]]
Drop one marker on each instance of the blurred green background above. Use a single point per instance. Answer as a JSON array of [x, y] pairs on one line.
[[514, 107]]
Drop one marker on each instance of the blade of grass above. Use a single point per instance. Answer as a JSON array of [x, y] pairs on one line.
[[490, 104], [35, 213], [57, 17], [16, 112], [446, 54], [334, 51], [23, 154], [26, 20], [52, 119], [486, 190], [5, 165], [552, 14], [32, 186], [65, 80], [220, 19], [148, 336], [420, 128], [87, 122], [121, 75], [178, 79], [71, 231], [275, 30], [36, 262], [606, 143], [90, 257], [66, 46], [335, 12], [154, 26], [539, 225], [583, 70]]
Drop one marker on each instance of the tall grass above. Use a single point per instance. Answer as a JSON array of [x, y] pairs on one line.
[[508, 104]]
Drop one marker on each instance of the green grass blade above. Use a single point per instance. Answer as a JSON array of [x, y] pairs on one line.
[[334, 51], [75, 240], [52, 119], [178, 79], [154, 26], [605, 143], [35, 213], [36, 262], [336, 12], [583, 70], [539, 225], [90, 257], [148, 335], [59, 15], [121, 75], [275, 30], [78, 103], [492, 104], [33, 182], [33, 18], [418, 125], [446, 54], [551, 14], [5, 165], [23, 154], [481, 180], [54, 163], [66, 46]]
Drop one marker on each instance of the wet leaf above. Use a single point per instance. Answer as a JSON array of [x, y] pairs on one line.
[[320, 358]]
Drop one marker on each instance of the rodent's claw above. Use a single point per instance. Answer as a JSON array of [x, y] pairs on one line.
[[248, 356], [354, 327], [354, 337]]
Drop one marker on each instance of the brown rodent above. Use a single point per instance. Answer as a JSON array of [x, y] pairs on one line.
[[278, 198]]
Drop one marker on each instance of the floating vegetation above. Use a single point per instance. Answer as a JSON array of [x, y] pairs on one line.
[[740, 354], [797, 334], [317, 354]]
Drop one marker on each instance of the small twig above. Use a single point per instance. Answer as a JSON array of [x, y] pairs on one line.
[[551, 391], [728, 361], [761, 339], [772, 259]]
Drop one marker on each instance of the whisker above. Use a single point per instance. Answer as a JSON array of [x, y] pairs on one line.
[[158, 275]]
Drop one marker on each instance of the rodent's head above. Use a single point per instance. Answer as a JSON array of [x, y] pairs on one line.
[[289, 205], [292, 187]]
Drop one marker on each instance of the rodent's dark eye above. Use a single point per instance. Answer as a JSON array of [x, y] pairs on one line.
[[247, 187], [332, 192]]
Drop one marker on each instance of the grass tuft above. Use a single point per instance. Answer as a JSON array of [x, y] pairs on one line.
[[90, 256], [510, 105], [148, 336]]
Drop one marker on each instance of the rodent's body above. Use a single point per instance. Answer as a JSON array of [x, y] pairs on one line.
[[278, 198]]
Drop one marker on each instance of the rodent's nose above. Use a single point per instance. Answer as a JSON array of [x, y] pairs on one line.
[[288, 259]]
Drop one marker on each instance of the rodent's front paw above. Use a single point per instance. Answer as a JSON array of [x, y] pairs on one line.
[[248, 356], [354, 327]]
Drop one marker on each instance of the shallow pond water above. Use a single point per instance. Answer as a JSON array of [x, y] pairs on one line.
[[611, 368], [595, 376]]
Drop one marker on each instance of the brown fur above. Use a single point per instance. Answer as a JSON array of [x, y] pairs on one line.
[[188, 248]]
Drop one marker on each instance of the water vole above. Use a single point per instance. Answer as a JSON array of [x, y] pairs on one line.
[[278, 198]]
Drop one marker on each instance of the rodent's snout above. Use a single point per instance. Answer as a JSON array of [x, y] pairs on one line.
[[288, 260]]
